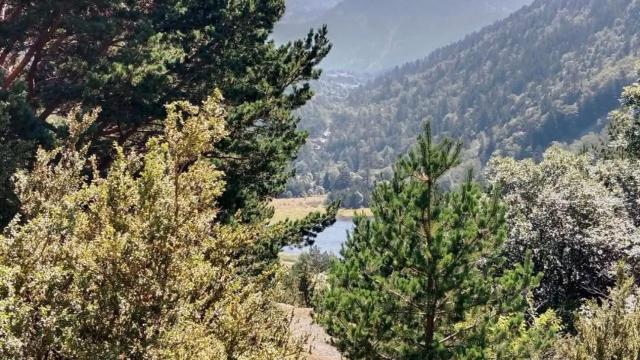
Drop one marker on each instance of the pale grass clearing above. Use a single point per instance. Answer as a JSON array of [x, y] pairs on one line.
[[287, 259], [298, 208]]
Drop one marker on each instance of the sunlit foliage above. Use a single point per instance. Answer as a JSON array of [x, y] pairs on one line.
[[133, 264], [607, 329]]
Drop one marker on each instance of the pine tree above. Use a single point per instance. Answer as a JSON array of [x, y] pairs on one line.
[[422, 279], [19, 135], [344, 179], [129, 57], [326, 182]]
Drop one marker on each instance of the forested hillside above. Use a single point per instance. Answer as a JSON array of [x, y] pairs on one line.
[[374, 35], [550, 72]]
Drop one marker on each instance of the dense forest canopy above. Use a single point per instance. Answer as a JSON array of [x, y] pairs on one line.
[[550, 72]]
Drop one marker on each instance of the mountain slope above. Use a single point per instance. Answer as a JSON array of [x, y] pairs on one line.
[[373, 35], [550, 72], [305, 11]]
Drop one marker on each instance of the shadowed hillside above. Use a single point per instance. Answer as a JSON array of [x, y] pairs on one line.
[[373, 35]]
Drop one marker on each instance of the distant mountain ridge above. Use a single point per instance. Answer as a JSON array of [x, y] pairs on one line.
[[303, 11], [374, 35], [550, 72]]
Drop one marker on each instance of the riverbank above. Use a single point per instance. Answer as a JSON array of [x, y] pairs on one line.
[[298, 208]]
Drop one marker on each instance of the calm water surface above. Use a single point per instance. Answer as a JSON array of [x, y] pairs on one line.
[[331, 239]]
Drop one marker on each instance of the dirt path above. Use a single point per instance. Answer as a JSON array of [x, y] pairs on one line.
[[318, 343]]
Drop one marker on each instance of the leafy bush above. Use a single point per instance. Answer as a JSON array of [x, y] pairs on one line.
[[577, 213], [19, 134], [608, 329], [132, 264]]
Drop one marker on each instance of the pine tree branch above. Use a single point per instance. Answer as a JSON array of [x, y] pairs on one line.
[[457, 333], [37, 46], [5, 53], [396, 293]]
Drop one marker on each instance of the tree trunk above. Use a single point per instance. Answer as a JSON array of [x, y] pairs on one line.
[[430, 321], [40, 43]]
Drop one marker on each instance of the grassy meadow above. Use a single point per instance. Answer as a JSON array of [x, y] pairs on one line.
[[298, 208]]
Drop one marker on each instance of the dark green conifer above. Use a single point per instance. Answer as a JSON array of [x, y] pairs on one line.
[[422, 279], [130, 57]]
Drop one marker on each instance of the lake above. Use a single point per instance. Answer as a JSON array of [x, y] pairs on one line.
[[331, 239]]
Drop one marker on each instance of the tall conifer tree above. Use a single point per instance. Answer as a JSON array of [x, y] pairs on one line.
[[129, 57], [421, 280]]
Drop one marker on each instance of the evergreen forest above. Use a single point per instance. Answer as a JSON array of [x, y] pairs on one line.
[[144, 145]]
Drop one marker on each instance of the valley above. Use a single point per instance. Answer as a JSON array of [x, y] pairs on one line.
[[549, 73]]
